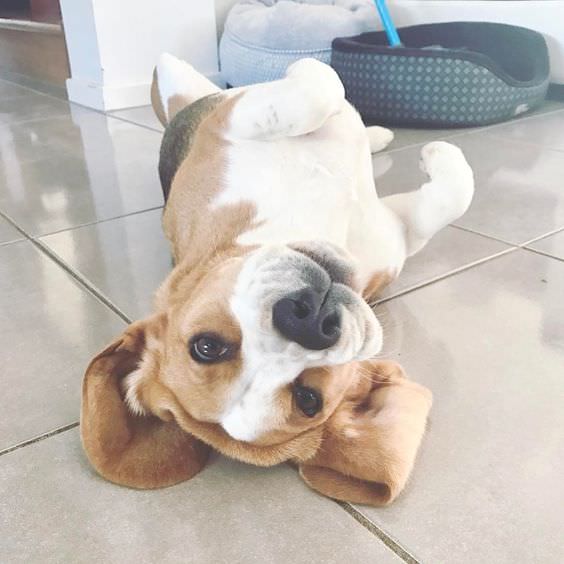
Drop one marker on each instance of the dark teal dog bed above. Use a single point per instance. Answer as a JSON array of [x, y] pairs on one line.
[[445, 75]]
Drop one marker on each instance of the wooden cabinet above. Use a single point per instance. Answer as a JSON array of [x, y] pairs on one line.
[[45, 11], [32, 43]]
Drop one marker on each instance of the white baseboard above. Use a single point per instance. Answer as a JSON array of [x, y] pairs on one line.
[[107, 98]]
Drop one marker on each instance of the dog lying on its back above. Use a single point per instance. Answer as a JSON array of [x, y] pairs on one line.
[[262, 339]]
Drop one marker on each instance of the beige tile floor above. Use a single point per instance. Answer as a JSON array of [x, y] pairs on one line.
[[478, 317]]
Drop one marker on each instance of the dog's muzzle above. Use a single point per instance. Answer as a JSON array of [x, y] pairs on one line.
[[301, 301], [298, 307]]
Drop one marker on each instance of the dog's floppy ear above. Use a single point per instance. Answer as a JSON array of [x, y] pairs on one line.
[[136, 450], [371, 440]]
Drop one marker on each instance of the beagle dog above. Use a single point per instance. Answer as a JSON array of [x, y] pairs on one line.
[[262, 344]]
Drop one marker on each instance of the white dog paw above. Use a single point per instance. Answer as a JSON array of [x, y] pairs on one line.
[[310, 68], [319, 80], [452, 182], [379, 138], [440, 157]]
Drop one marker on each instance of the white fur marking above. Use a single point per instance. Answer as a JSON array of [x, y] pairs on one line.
[[351, 432], [178, 78], [379, 138], [130, 386]]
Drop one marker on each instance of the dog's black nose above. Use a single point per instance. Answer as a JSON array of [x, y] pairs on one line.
[[306, 318]]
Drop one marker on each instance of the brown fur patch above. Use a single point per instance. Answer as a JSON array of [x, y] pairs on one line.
[[376, 284], [198, 306], [140, 452], [196, 232], [367, 455]]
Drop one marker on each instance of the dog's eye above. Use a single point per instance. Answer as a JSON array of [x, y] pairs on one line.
[[209, 348], [308, 400]]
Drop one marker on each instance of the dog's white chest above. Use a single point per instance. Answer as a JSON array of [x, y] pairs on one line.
[[299, 191]]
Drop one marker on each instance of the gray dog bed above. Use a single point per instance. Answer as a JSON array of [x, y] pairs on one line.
[[263, 37], [447, 74]]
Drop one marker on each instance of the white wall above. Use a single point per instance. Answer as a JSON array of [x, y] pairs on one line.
[[544, 16], [114, 45]]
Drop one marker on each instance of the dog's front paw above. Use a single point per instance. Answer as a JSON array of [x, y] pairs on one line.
[[452, 182], [439, 158], [379, 138]]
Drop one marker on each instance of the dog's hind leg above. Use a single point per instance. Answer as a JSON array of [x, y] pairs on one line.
[[176, 84], [438, 202], [297, 104]]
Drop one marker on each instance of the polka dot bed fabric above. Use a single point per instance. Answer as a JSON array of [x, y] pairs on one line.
[[442, 86]]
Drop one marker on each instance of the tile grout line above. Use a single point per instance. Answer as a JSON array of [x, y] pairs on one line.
[[499, 240], [441, 277], [87, 108], [472, 130], [82, 108], [481, 234], [16, 96], [33, 90], [4, 243], [543, 253], [79, 278], [32, 120], [390, 543], [102, 112], [500, 137], [21, 231], [40, 438], [145, 126], [96, 222], [540, 237], [417, 144], [511, 248], [82, 280]]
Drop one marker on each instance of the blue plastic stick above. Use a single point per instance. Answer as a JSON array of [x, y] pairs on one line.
[[389, 27]]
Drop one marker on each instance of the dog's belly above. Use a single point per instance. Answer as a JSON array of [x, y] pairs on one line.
[[316, 187], [303, 188]]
